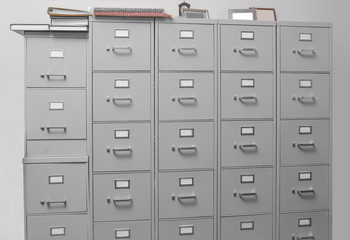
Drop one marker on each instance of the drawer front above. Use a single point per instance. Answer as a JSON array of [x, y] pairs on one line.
[[187, 230], [184, 96], [120, 147], [137, 230], [307, 225], [304, 188], [53, 227], [186, 47], [247, 227], [305, 49], [122, 197], [58, 148], [185, 194], [305, 96], [121, 96], [245, 191], [49, 62], [247, 143], [247, 48], [121, 46], [186, 145], [305, 142], [56, 114], [52, 188], [247, 95]]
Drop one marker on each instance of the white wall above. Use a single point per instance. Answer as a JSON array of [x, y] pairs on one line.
[[12, 100]]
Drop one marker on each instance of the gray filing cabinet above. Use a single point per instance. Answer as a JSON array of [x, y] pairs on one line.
[[179, 129]]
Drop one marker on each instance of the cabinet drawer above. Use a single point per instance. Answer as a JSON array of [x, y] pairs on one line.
[[52, 188], [56, 114], [307, 225], [120, 147], [136, 230], [247, 48], [186, 194], [247, 95], [304, 188], [122, 197], [186, 47], [53, 227], [184, 96], [121, 46], [245, 191], [186, 145], [248, 227], [121, 96], [186, 229], [305, 49], [305, 96], [49, 62], [305, 142], [247, 143]]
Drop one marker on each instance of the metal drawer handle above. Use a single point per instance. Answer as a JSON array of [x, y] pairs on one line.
[[181, 49], [180, 99], [64, 202], [116, 48], [305, 51], [63, 128], [244, 51], [128, 149], [187, 148], [120, 199], [182, 197], [48, 76], [302, 145], [245, 146], [305, 237], [303, 191], [304, 99], [122, 99], [247, 194], [246, 98]]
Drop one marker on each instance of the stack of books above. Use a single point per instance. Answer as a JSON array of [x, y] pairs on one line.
[[131, 12], [63, 19]]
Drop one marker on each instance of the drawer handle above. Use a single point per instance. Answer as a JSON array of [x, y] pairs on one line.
[[181, 99], [246, 98], [63, 128], [304, 99], [180, 149], [305, 237], [117, 49], [115, 99], [55, 76], [64, 202], [128, 149], [120, 199], [245, 146], [303, 145], [303, 191], [247, 194], [305, 51], [186, 197], [186, 49], [250, 51]]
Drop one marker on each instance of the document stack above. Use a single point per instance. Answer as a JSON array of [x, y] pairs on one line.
[[63, 19], [131, 12]]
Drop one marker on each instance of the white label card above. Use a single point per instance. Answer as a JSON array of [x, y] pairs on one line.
[[56, 106], [122, 184], [247, 130], [56, 179], [121, 33], [247, 35], [186, 181], [304, 222], [186, 230], [242, 16], [247, 83], [57, 231], [186, 83], [305, 37], [121, 134], [186, 132], [305, 130], [57, 53], [305, 176], [247, 225], [121, 83], [122, 233], [303, 83], [247, 178], [186, 34]]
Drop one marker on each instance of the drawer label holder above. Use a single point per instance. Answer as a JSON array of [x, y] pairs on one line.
[[247, 131], [305, 129], [247, 35], [247, 83], [121, 33], [186, 34], [120, 134], [304, 222], [186, 230], [122, 233], [56, 179], [121, 184], [56, 53], [56, 106], [305, 37], [186, 83], [188, 181], [57, 231], [247, 225], [305, 83], [121, 83], [249, 178], [305, 176], [189, 132]]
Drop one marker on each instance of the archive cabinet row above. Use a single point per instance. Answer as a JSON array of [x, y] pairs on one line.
[[179, 129]]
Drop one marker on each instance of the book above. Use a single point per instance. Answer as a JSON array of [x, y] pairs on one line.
[[29, 27], [69, 21], [69, 28], [131, 12], [66, 12]]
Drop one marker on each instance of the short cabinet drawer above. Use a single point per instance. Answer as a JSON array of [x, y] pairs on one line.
[[186, 194], [305, 142], [186, 47], [247, 95], [186, 145], [257, 227], [305, 96], [306, 225], [186, 229], [53, 188], [186, 96], [121, 96], [247, 48], [135, 230], [305, 49], [56, 114], [304, 188], [53, 227], [247, 143], [121, 46], [49, 62], [245, 191], [122, 197], [122, 146]]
